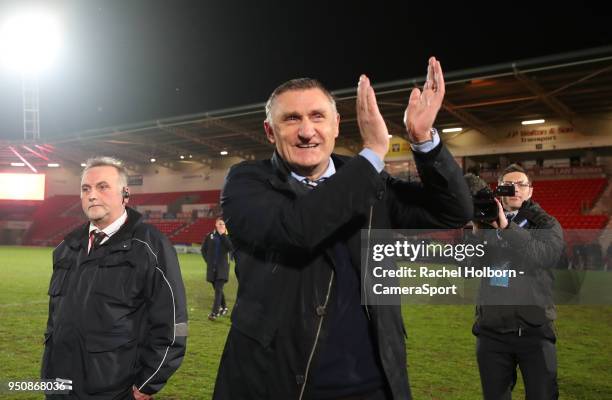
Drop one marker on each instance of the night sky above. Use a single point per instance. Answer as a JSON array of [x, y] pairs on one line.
[[130, 61]]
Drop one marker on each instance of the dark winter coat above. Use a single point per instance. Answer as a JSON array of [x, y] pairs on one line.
[[117, 316], [216, 250], [284, 236]]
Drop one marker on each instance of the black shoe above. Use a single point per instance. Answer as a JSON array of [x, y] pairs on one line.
[[223, 311], [212, 316]]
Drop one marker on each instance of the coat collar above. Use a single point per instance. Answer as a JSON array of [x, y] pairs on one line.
[[283, 172], [282, 168], [78, 237], [284, 181]]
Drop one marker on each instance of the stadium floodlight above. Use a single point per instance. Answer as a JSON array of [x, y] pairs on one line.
[[223, 152], [30, 40], [449, 130], [83, 164], [152, 160], [533, 122]]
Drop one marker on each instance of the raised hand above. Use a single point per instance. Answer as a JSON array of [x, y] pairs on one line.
[[424, 106], [372, 126]]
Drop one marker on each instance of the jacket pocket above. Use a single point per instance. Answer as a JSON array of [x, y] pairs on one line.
[[61, 269], [115, 278], [110, 361], [250, 319]]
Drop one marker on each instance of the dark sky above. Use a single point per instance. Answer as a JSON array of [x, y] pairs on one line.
[[127, 61]]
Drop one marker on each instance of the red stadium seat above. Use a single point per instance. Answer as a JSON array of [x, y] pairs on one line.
[[566, 199], [56, 216]]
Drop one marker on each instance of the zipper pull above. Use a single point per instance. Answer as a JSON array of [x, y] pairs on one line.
[[520, 330]]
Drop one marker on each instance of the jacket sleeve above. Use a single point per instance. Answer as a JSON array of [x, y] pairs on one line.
[[163, 351], [229, 247], [204, 248], [267, 217], [441, 200], [541, 246], [49, 329], [54, 258]]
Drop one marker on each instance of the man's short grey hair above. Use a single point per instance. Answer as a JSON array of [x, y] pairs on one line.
[[103, 161], [297, 84]]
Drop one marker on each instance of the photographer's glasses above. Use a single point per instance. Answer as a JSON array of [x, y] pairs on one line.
[[518, 185]]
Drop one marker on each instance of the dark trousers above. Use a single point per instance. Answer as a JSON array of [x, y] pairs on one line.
[[219, 301], [499, 355]]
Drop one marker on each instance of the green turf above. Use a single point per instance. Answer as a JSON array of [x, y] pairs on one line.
[[440, 346]]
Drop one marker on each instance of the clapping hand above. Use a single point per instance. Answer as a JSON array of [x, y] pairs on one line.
[[424, 106]]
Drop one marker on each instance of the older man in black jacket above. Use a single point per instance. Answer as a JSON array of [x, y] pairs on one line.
[[117, 323], [299, 330]]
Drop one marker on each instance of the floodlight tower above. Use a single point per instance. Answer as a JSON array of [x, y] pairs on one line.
[[31, 109], [29, 43]]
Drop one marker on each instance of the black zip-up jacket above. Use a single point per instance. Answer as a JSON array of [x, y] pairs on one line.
[[532, 243], [117, 317], [217, 265], [284, 237]]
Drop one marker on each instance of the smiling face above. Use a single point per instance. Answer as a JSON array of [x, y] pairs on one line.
[[303, 126], [522, 190], [101, 197]]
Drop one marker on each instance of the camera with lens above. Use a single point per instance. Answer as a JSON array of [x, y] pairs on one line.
[[483, 198]]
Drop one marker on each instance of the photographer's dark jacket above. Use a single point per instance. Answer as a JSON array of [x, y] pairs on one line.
[[285, 237], [532, 243], [117, 317], [215, 251]]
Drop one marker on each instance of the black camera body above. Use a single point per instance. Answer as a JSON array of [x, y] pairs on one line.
[[485, 207]]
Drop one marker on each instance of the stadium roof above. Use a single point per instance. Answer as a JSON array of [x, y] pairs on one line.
[[563, 86]]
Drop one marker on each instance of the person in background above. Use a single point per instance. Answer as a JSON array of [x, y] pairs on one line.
[[216, 250], [514, 318]]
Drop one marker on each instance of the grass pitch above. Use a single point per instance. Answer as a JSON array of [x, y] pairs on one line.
[[440, 345]]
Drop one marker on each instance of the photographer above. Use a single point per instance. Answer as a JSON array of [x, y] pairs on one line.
[[514, 317]]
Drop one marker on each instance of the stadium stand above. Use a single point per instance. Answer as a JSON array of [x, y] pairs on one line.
[[569, 197], [568, 200], [195, 231], [58, 215], [168, 198], [55, 216], [11, 210], [167, 227]]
